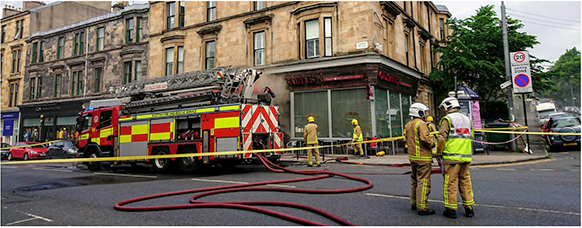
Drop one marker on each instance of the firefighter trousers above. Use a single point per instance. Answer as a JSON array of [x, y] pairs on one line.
[[358, 149], [310, 153], [420, 187], [457, 177]]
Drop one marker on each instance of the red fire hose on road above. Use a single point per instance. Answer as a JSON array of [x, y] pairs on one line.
[[251, 205]]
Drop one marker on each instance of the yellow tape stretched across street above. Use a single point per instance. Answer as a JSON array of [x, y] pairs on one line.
[[36, 144], [531, 133]]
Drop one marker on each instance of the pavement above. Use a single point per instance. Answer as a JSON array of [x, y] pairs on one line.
[[401, 159]]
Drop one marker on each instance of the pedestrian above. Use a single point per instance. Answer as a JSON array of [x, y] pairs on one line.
[[310, 137], [455, 133], [419, 144], [357, 138], [65, 135], [432, 129]]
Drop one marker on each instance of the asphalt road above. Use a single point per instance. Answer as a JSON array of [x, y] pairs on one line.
[[540, 193]]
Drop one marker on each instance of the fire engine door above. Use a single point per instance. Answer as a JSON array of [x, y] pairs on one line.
[[205, 144]]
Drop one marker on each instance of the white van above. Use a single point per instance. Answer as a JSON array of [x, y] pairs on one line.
[[543, 110]]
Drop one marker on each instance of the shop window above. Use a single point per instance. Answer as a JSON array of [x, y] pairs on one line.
[[311, 104], [259, 48], [60, 47], [105, 119], [349, 104], [34, 51], [210, 54], [395, 114], [57, 85], [129, 31], [126, 72], [169, 61], [171, 14], [259, 5], [382, 115], [98, 76], [211, 11], [180, 59], [13, 94], [312, 39], [100, 35]]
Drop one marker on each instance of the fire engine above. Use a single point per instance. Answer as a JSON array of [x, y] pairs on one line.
[[197, 112]]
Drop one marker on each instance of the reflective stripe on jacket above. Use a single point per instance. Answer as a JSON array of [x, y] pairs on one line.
[[418, 142], [358, 136], [458, 144], [310, 133]]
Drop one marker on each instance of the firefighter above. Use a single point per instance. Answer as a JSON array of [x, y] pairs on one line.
[[419, 144], [357, 137], [455, 149], [432, 128], [310, 137]]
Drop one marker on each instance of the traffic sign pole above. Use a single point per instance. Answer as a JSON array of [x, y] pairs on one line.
[[525, 118]]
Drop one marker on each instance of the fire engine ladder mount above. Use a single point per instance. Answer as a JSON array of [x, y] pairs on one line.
[[214, 86]]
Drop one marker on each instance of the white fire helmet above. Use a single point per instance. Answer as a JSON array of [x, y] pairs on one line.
[[450, 103], [418, 110]]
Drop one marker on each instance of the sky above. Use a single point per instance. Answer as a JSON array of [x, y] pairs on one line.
[[556, 24]]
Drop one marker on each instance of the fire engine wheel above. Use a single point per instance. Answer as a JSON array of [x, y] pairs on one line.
[[92, 153], [161, 164], [188, 164]]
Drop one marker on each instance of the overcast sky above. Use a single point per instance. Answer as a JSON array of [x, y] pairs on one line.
[[555, 23]]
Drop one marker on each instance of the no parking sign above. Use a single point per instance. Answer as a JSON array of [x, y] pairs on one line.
[[520, 72]]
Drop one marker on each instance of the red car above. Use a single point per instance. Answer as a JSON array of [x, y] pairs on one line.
[[27, 151]]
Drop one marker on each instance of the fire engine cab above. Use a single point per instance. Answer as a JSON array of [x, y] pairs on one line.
[[198, 112]]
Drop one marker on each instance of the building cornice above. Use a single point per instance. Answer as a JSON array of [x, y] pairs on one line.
[[313, 6]]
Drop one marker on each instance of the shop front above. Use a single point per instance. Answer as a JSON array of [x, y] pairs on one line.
[[10, 127], [375, 94], [50, 121]]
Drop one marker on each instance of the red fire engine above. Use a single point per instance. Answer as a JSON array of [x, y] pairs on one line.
[[198, 112]]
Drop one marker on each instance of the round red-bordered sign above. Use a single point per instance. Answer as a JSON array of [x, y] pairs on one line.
[[519, 57], [521, 80]]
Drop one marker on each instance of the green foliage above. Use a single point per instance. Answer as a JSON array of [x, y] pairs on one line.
[[565, 78], [475, 54]]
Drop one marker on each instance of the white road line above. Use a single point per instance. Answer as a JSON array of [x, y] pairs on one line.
[[546, 170], [484, 205], [126, 175], [9, 167], [506, 169], [56, 170], [239, 182], [30, 219], [575, 170]]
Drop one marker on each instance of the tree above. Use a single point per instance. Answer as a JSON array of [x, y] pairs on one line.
[[475, 54], [565, 74]]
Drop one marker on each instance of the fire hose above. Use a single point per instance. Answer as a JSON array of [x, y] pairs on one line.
[[251, 205]]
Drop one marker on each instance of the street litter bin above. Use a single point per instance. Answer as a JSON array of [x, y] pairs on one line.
[[497, 137]]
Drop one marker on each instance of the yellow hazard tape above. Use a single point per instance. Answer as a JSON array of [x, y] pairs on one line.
[[36, 144], [531, 133]]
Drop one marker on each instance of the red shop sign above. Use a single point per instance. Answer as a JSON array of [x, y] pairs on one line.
[[392, 79]]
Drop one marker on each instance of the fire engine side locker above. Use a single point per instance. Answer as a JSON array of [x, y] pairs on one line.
[[224, 130], [133, 138]]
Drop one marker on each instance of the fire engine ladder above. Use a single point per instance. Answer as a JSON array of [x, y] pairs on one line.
[[214, 86]]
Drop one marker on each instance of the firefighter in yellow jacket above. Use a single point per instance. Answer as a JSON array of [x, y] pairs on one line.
[[432, 128], [455, 133], [419, 144], [357, 137], [310, 137]]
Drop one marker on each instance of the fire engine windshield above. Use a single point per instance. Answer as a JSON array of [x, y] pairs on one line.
[[86, 122]]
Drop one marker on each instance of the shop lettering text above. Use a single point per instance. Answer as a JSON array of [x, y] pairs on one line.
[[301, 81], [341, 78], [392, 79]]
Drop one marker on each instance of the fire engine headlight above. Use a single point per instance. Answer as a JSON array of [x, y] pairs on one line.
[[552, 138]]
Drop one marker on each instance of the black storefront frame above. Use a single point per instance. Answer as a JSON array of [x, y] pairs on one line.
[[49, 110]]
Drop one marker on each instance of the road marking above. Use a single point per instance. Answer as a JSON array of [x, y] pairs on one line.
[[34, 217], [484, 205], [518, 163], [506, 169], [239, 182], [575, 170], [546, 170], [9, 167], [56, 170], [125, 175]]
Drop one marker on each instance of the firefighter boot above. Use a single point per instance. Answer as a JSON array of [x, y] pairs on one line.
[[469, 212], [427, 212], [450, 213]]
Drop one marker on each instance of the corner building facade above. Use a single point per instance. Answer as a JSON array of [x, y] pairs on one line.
[[331, 60]]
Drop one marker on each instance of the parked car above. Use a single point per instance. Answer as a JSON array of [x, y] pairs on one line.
[[28, 151], [560, 124], [4, 152], [62, 149], [543, 109]]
